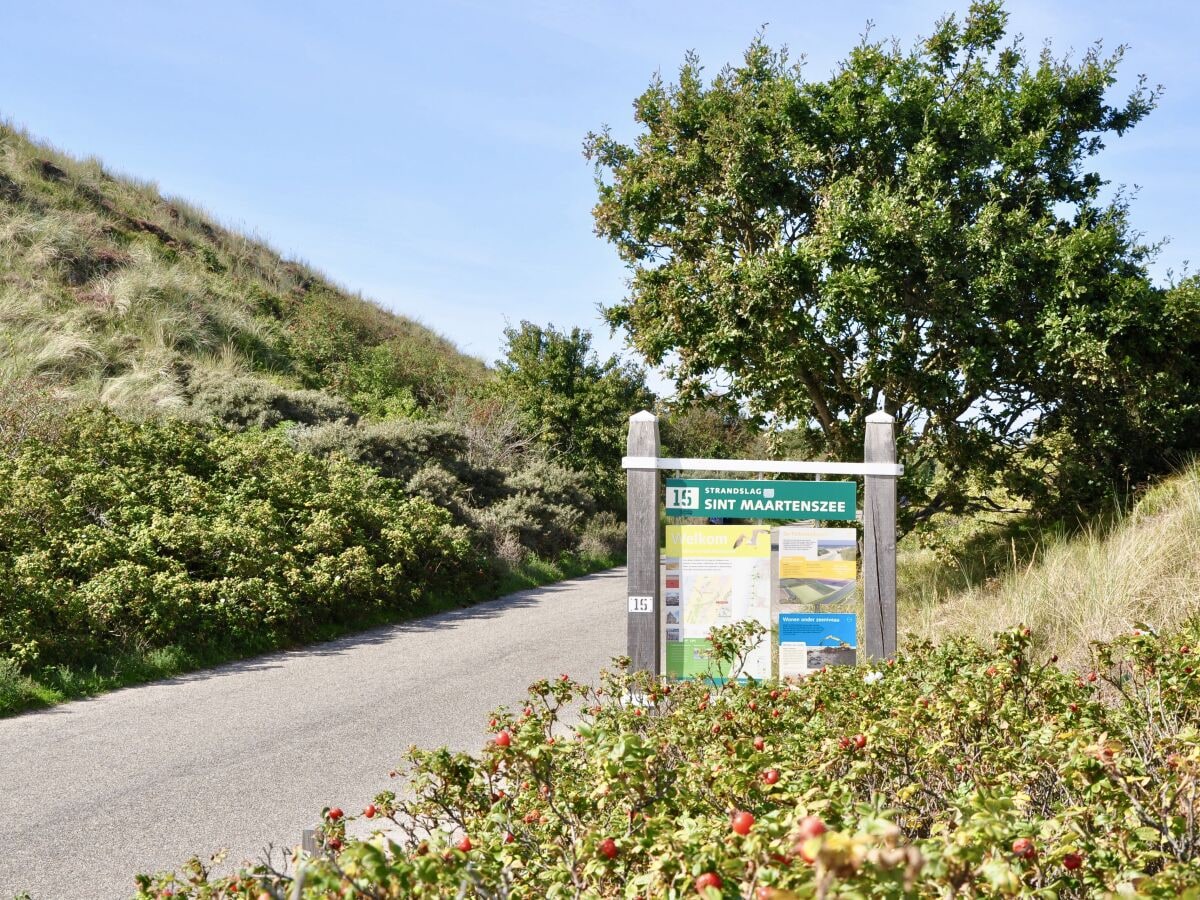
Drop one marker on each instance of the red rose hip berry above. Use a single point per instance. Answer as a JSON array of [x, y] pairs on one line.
[[609, 848], [1023, 848], [742, 822], [810, 827], [771, 776], [1072, 861], [708, 880]]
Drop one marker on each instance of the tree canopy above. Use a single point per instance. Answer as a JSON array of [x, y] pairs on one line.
[[922, 231]]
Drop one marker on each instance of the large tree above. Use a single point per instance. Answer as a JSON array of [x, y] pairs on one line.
[[921, 231], [574, 404]]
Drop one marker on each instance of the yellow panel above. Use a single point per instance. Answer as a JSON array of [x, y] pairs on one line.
[[736, 541], [828, 569]]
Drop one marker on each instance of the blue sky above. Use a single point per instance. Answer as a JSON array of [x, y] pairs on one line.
[[428, 154]]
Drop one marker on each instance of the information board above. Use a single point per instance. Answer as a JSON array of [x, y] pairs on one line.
[[715, 575], [744, 499]]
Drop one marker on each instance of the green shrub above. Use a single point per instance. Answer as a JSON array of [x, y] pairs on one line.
[[715, 427], [428, 456], [139, 535], [438, 485], [553, 485], [17, 690], [539, 507], [247, 401], [514, 527], [325, 333], [956, 771], [543, 510], [386, 362], [604, 536], [397, 449], [400, 377]]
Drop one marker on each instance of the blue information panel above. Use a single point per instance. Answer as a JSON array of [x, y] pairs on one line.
[[810, 641]]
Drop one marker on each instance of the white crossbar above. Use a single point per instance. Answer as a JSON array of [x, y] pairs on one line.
[[793, 466]]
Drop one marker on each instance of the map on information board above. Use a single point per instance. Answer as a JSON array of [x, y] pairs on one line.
[[715, 575], [709, 600]]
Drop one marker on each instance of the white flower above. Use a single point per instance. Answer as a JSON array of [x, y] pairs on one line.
[[872, 677]]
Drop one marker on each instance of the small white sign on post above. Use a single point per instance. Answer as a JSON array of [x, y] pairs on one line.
[[643, 604]]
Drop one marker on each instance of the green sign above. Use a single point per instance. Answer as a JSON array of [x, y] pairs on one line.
[[739, 499]]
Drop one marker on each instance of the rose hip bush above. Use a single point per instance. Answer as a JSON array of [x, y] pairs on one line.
[[955, 770], [125, 536]]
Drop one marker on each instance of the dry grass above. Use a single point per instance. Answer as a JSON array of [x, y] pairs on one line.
[[1145, 568]]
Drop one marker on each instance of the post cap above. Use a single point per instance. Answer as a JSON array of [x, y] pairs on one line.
[[644, 416], [879, 417]]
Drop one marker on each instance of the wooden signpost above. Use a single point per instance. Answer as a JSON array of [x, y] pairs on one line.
[[645, 635], [879, 540], [642, 465]]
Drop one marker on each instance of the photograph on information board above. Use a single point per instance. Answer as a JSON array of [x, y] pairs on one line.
[[817, 566]]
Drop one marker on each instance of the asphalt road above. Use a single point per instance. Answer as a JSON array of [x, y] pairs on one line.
[[247, 754]]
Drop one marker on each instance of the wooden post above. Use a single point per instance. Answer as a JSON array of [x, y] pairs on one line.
[[879, 540], [644, 634]]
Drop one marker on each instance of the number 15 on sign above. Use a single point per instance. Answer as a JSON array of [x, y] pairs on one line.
[[683, 497], [641, 604]]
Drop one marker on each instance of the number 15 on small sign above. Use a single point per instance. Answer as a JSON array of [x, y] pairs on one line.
[[641, 604]]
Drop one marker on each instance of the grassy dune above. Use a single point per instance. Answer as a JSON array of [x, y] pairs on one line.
[[1142, 565], [113, 293]]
